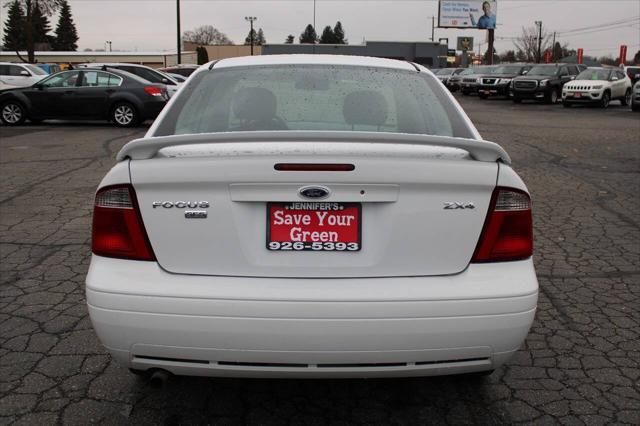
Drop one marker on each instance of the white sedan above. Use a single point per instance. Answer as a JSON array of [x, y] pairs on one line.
[[312, 216], [597, 86]]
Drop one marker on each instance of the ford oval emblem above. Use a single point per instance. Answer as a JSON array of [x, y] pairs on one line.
[[314, 192]]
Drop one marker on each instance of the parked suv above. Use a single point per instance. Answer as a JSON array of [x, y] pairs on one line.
[[498, 83], [598, 86], [544, 82], [20, 75], [470, 81]]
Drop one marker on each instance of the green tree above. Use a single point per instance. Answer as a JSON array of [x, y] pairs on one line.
[[203, 55], [34, 26], [327, 37], [14, 28], [261, 40], [41, 26], [258, 38], [338, 33], [309, 35], [206, 35], [253, 35], [66, 34], [290, 39], [508, 56]]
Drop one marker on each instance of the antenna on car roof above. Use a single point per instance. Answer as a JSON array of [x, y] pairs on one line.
[[104, 68]]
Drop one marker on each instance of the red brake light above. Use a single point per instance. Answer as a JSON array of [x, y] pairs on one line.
[[153, 90], [118, 230], [508, 230]]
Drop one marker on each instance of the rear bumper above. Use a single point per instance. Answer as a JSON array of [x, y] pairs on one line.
[[267, 327]]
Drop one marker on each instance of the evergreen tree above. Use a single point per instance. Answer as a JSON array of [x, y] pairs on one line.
[[338, 32], [328, 37], [14, 28], [41, 26], [252, 35], [290, 39], [261, 40], [66, 35], [309, 35]]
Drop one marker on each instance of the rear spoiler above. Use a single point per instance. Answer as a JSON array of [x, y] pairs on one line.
[[480, 150]]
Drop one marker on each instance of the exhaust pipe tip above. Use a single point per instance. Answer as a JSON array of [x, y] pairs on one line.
[[159, 378]]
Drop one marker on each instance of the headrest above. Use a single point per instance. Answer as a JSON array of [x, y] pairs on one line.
[[365, 107], [254, 104]]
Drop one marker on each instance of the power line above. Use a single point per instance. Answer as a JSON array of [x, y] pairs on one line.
[[597, 31], [607, 24]]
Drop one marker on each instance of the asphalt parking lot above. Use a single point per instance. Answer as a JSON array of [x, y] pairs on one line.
[[579, 365]]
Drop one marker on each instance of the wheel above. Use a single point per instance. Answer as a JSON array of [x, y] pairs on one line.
[[551, 97], [124, 115], [606, 98], [566, 104], [482, 95], [13, 113], [627, 98]]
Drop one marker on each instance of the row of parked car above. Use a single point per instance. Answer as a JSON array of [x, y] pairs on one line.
[[123, 93], [550, 83]]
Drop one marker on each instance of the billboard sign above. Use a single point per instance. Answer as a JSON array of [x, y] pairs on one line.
[[465, 43], [467, 14]]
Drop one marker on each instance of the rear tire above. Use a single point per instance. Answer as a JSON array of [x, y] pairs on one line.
[[123, 114], [627, 98], [13, 113], [606, 98]]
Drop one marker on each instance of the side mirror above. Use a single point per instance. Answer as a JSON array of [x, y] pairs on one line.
[[525, 72], [38, 86], [165, 81], [25, 73], [614, 78]]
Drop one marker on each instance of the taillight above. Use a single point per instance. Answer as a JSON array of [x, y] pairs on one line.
[[153, 90], [508, 230], [118, 230]]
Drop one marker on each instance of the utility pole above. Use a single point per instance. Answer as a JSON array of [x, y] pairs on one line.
[[314, 16], [539, 24], [553, 49], [179, 38], [108, 44], [250, 19], [433, 27], [490, 42]]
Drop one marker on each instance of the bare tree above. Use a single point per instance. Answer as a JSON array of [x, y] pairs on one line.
[[206, 35], [527, 44], [46, 7]]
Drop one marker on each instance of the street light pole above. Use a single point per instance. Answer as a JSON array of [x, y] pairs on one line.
[[251, 19], [179, 50], [539, 24]]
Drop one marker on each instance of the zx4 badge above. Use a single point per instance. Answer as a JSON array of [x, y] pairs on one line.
[[455, 205]]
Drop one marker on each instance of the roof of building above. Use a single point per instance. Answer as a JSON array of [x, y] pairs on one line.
[[302, 59], [91, 53]]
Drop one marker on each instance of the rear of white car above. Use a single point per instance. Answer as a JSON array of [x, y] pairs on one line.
[[305, 216]]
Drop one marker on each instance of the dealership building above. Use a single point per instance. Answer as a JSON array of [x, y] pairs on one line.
[[429, 54]]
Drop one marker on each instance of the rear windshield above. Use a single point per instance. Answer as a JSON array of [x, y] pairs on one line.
[[313, 97], [593, 74]]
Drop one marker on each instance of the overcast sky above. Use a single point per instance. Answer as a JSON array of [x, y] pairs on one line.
[[150, 24]]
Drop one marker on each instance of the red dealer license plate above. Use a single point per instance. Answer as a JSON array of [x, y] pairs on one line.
[[314, 226]]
